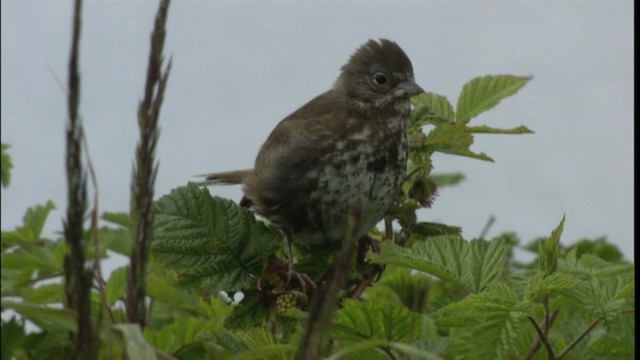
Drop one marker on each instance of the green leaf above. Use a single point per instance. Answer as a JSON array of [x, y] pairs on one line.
[[449, 179], [453, 139], [556, 283], [606, 299], [249, 312], [469, 265], [489, 130], [598, 247], [404, 286], [370, 350], [117, 218], [431, 108], [12, 335], [29, 232], [116, 285], [117, 240], [19, 266], [137, 347], [211, 239], [5, 166], [496, 317], [43, 316], [360, 320], [44, 294], [261, 343], [549, 249], [183, 331], [483, 93]]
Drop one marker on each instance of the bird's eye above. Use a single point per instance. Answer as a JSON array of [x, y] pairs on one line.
[[380, 78]]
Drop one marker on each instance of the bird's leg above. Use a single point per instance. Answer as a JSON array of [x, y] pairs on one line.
[[303, 278], [364, 243]]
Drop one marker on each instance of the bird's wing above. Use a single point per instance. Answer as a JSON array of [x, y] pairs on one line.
[[288, 166]]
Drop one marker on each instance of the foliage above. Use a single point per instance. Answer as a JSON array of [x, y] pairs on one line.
[[217, 285], [6, 165]]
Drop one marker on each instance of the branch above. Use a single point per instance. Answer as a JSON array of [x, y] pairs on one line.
[[145, 170], [542, 338], [97, 263], [575, 342], [78, 280], [536, 344], [322, 310], [487, 226]]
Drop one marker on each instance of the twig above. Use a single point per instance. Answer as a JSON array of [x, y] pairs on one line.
[[97, 267], [487, 226], [536, 344], [575, 341], [78, 280], [145, 170], [362, 286], [543, 338], [388, 227]]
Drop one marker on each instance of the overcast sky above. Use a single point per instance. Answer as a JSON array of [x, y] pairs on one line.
[[239, 68]]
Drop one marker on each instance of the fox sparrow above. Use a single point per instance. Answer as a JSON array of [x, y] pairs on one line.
[[345, 148]]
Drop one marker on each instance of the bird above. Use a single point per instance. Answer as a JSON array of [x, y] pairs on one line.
[[345, 149]]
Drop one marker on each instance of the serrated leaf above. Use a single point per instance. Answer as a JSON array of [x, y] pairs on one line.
[[34, 256], [605, 299], [116, 285], [13, 336], [44, 294], [44, 316], [469, 265], [183, 331], [496, 317], [549, 250], [135, 344], [430, 108], [161, 287], [249, 312], [556, 283], [33, 223], [483, 93], [453, 139], [490, 130], [274, 351], [117, 240], [449, 179], [212, 239], [5, 167], [359, 320], [118, 218], [371, 350], [408, 288]]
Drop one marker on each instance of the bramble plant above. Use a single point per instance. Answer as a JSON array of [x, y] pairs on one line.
[[215, 285]]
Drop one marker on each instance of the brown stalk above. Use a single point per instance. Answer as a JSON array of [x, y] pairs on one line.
[[145, 170], [78, 279]]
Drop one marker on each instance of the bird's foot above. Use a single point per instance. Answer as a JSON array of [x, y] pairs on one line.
[[364, 244], [303, 279]]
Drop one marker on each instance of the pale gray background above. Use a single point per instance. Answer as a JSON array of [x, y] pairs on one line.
[[241, 67]]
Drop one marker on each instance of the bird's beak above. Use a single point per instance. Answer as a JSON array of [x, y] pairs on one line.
[[407, 89]]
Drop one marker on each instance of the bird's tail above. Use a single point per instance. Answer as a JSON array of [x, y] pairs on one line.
[[225, 178]]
